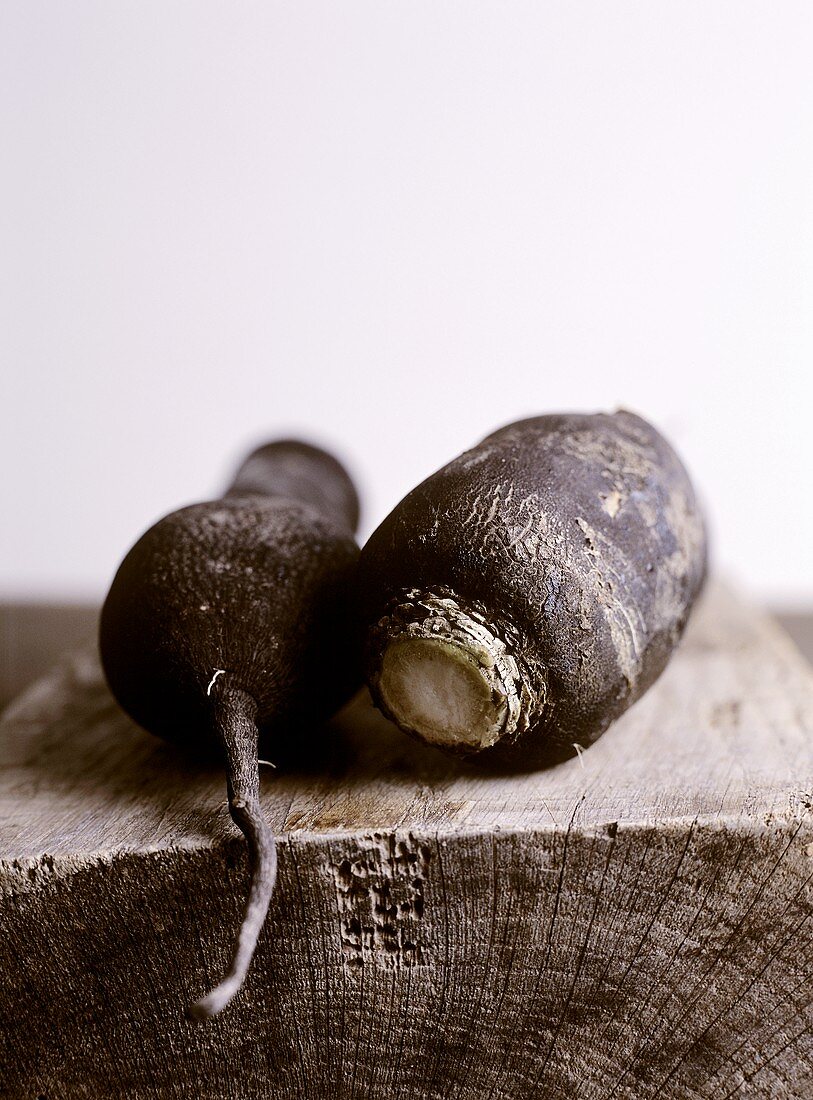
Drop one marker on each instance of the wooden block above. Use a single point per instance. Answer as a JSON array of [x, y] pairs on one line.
[[633, 923]]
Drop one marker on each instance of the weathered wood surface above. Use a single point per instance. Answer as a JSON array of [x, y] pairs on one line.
[[636, 923]]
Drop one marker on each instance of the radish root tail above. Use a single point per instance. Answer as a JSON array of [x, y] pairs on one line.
[[234, 721]]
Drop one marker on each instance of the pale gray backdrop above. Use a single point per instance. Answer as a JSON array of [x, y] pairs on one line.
[[391, 227]]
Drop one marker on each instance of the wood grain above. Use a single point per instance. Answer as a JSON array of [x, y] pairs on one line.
[[633, 923]]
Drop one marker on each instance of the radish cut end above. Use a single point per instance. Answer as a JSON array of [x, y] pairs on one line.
[[440, 691], [446, 672]]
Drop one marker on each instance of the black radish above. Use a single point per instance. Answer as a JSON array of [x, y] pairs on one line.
[[521, 598], [230, 624]]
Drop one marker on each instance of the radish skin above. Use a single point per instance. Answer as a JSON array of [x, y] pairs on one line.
[[521, 598], [218, 634]]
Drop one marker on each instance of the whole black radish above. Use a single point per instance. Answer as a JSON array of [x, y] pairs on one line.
[[521, 598], [230, 625]]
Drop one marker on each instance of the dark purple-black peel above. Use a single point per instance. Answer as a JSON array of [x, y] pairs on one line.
[[522, 597], [231, 623]]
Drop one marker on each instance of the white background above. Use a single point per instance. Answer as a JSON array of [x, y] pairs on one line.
[[392, 227]]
